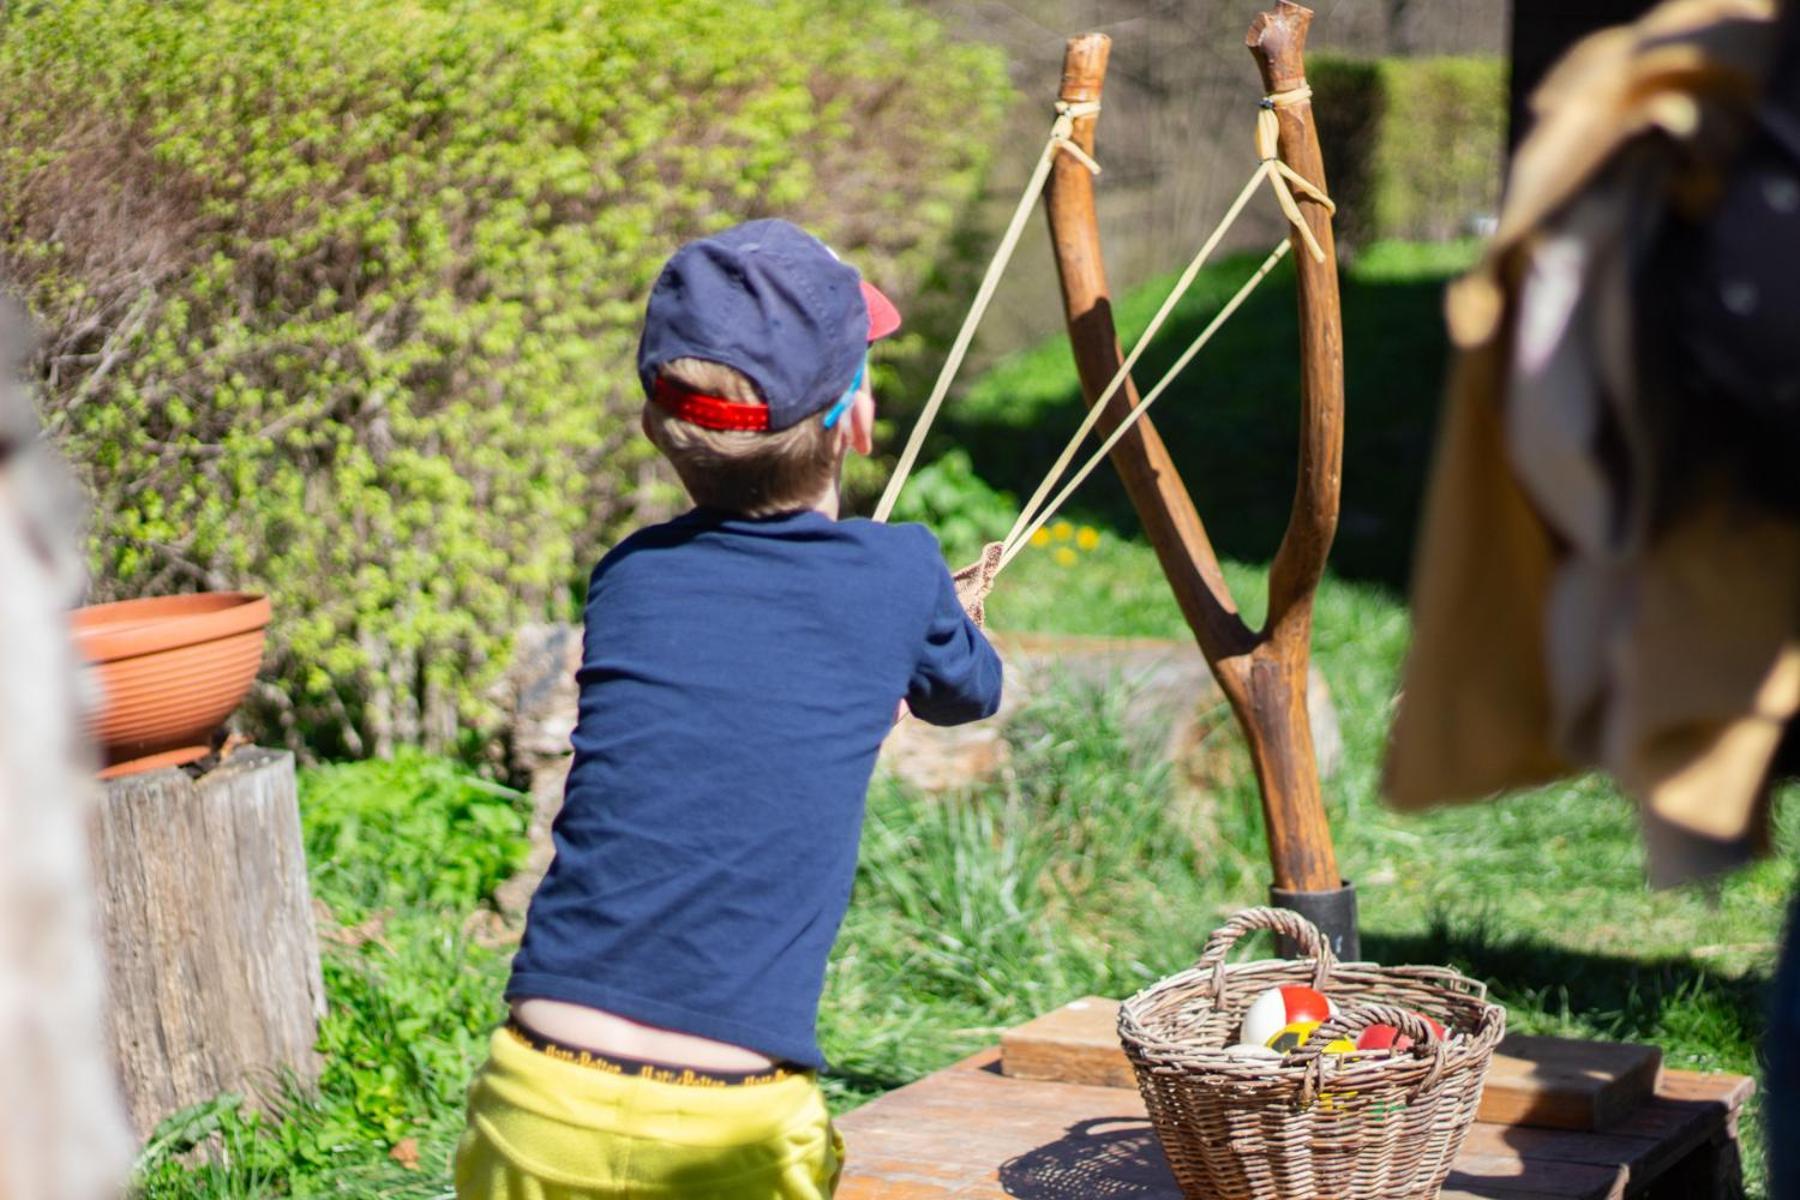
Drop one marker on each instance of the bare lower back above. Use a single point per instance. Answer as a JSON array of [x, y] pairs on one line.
[[608, 1033]]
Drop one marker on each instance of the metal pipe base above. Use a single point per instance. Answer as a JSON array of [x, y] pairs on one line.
[[1334, 912]]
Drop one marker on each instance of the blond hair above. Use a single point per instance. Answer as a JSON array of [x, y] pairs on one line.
[[752, 472]]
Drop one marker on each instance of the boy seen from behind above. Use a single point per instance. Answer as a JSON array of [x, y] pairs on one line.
[[741, 666]]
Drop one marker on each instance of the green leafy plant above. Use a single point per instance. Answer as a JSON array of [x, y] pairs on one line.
[[402, 853], [409, 831], [236, 1165], [410, 1016], [339, 297], [957, 504]]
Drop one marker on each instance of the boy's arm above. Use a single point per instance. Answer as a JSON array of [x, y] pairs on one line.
[[957, 676]]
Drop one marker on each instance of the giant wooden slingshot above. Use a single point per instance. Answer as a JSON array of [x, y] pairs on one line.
[[1263, 673]]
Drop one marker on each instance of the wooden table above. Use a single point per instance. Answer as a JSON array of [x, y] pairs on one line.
[[970, 1130]]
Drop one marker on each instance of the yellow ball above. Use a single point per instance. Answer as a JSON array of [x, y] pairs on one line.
[[1340, 1046], [1292, 1036]]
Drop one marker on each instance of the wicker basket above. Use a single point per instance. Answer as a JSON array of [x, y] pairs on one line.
[[1374, 1125]]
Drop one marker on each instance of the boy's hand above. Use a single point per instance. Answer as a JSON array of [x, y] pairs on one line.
[[975, 581]]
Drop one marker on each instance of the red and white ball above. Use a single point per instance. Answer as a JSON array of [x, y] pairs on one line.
[[1280, 1007]]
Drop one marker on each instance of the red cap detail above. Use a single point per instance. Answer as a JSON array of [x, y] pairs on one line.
[[884, 318], [709, 412]]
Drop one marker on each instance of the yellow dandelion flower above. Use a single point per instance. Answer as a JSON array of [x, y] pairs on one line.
[[1040, 538], [1065, 557], [1087, 537], [1062, 531]]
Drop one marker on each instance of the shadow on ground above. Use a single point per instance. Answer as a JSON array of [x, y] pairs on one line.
[[1108, 1158], [1627, 999]]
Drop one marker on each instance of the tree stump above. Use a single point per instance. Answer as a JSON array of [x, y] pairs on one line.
[[206, 918]]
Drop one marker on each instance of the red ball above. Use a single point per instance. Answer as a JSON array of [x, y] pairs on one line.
[[1382, 1037], [1386, 1037]]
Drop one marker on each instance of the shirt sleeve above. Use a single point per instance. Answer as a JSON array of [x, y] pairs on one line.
[[957, 676]]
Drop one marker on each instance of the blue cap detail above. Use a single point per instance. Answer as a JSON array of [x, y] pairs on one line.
[[848, 398], [770, 300]]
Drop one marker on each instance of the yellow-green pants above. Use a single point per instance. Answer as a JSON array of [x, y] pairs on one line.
[[542, 1129]]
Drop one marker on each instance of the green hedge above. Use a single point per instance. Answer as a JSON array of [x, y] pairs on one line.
[[1413, 146], [339, 296]]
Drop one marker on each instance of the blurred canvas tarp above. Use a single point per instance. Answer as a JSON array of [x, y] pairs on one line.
[[63, 1134], [1543, 30], [1571, 608]]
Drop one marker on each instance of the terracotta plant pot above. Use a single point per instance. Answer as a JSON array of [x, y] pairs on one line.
[[171, 668]]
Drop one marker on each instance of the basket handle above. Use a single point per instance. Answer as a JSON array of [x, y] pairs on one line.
[[1276, 920], [1352, 1021]]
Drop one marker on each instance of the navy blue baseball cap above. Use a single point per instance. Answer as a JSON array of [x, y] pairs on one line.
[[775, 303]]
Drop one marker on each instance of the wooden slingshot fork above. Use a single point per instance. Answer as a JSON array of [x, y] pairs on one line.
[[1263, 673]]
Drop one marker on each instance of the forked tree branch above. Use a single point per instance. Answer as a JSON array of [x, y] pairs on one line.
[[1163, 505], [1264, 675]]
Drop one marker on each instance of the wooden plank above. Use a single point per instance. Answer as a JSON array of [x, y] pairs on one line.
[[978, 1129], [971, 1132], [1558, 1145], [975, 1133], [1729, 1090], [1077, 1043], [1565, 1083], [1690, 1112], [1557, 1083], [1511, 1177]]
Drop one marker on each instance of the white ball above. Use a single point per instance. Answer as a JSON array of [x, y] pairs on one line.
[[1280, 1007]]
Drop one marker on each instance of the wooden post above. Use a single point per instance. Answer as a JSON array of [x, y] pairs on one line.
[[1262, 672], [212, 960]]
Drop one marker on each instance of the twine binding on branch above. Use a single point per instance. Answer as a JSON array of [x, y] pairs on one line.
[[1283, 177]]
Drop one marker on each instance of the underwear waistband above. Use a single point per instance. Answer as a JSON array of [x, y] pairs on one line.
[[638, 1068]]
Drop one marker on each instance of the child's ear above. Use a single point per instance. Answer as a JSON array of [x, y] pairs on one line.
[[647, 426], [859, 422]]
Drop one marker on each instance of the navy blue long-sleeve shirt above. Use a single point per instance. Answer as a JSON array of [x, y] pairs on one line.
[[738, 676]]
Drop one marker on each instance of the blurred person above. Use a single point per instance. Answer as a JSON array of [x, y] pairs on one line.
[[1609, 566], [1725, 314], [63, 1130]]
